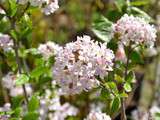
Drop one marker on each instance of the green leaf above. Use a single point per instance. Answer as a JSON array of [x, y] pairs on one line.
[[33, 104], [115, 105], [119, 4], [31, 116], [22, 79], [103, 29], [127, 87], [105, 94], [111, 85], [118, 78], [123, 95], [130, 77], [32, 51], [12, 7], [38, 71], [13, 34], [141, 13], [17, 112], [139, 3], [136, 57]]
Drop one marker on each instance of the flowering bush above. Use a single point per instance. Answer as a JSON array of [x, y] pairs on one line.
[[91, 77]]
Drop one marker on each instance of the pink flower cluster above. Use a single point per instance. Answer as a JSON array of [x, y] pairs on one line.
[[79, 63], [135, 29]]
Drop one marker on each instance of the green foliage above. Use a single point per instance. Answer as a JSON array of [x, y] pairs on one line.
[[74, 18], [130, 77], [119, 4], [127, 87], [102, 28], [33, 104], [115, 105], [31, 116], [38, 71], [136, 57], [12, 7], [140, 13], [22, 79]]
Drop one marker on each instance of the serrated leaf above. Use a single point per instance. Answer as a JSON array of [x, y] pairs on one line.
[[118, 78], [111, 85], [33, 104], [13, 34], [127, 87], [115, 105], [31, 116], [136, 57], [103, 29], [38, 71], [13, 7], [105, 93], [22, 79]]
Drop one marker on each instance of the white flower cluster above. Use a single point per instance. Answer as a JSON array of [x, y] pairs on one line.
[[79, 63], [135, 29], [5, 42], [97, 116], [54, 108], [8, 82], [48, 6], [49, 49]]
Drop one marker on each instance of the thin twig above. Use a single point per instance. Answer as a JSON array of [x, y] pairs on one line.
[[16, 47]]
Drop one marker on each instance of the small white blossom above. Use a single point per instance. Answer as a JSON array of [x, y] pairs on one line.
[[97, 116], [9, 82], [18, 90], [5, 42], [51, 7], [6, 107], [79, 63], [47, 6], [2, 11], [63, 111], [49, 49], [52, 105], [135, 29]]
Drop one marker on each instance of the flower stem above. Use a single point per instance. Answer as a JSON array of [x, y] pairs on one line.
[[19, 67], [123, 111], [16, 47]]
